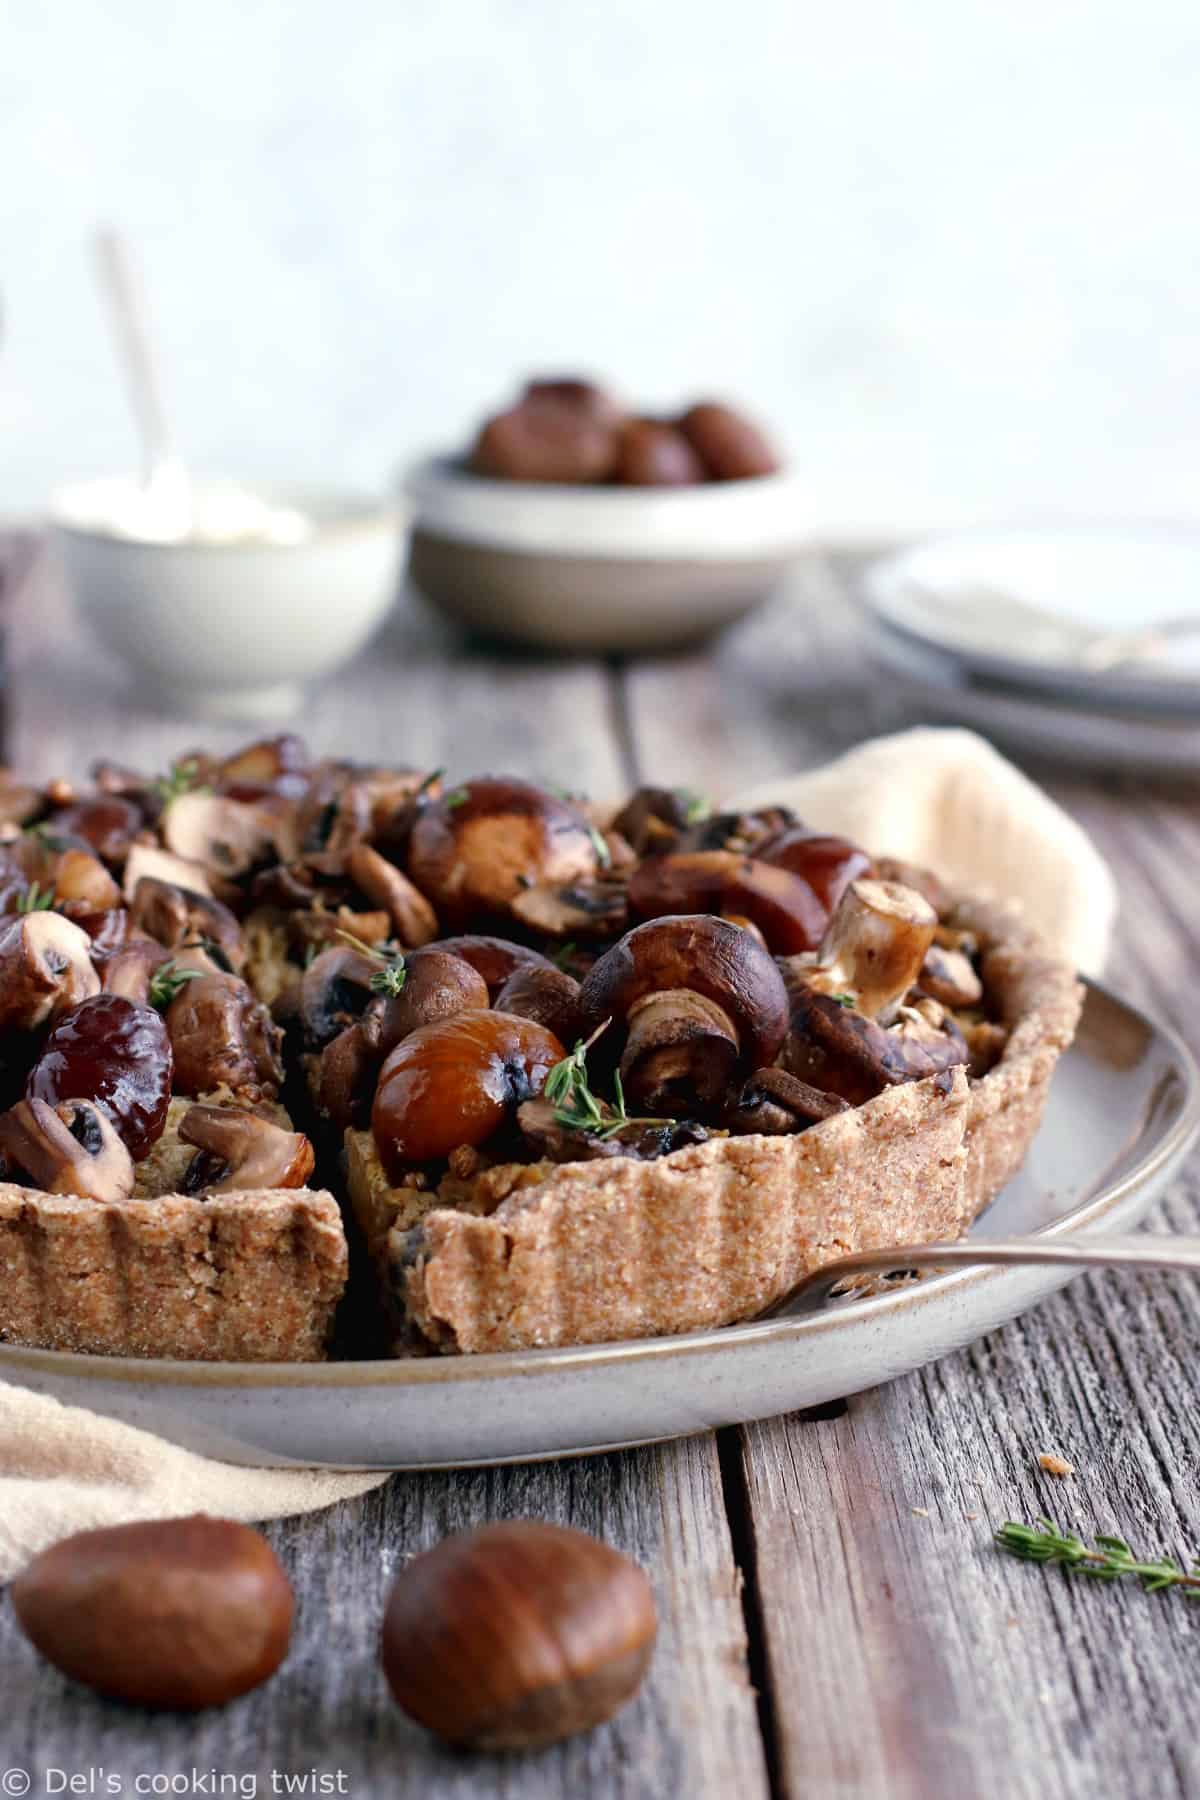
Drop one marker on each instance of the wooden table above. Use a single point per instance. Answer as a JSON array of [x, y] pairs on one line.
[[835, 1620]]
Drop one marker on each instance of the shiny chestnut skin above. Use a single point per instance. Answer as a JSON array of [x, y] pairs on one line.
[[652, 453], [517, 1634], [457, 1082], [108, 824], [116, 1053], [730, 446], [782, 905], [180, 1613], [539, 442], [704, 955], [475, 848], [827, 863]]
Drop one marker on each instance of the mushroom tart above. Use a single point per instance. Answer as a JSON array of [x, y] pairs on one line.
[[577, 1075]]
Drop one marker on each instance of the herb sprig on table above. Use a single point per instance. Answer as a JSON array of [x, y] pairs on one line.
[[577, 1107], [1107, 1559]]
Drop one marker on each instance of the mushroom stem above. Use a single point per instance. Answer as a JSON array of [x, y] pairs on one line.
[[251, 1151], [682, 1051], [874, 946]]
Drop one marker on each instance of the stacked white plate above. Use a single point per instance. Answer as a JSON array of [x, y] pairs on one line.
[[1080, 644]]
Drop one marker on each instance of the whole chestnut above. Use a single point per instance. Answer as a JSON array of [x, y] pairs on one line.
[[455, 1082], [729, 445], [180, 1613], [539, 442], [517, 1634], [652, 453]]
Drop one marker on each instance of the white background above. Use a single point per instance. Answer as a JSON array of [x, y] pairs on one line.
[[952, 250]]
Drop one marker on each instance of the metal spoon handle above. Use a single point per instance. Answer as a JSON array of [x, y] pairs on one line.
[[1165, 1251]]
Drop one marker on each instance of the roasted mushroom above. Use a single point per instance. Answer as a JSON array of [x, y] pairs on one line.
[[950, 976], [583, 909], [875, 947], [240, 1152], [456, 1083], [839, 1050], [223, 1037], [474, 849], [775, 1103], [45, 966], [129, 969], [702, 1003], [108, 825], [226, 837], [72, 1148], [494, 958], [175, 915], [162, 865], [547, 995], [828, 864], [548, 1135], [653, 817], [413, 919], [781, 904], [335, 990]]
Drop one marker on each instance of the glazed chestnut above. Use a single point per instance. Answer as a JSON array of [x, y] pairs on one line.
[[782, 905], [492, 957], [539, 442], [179, 1613], [517, 1634], [548, 996], [116, 1053], [223, 1037], [570, 391], [729, 446], [456, 1083], [653, 453], [702, 1003], [473, 850], [828, 864]]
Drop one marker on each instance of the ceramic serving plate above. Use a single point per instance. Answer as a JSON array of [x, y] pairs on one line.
[[1021, 607], [1124, 1109]]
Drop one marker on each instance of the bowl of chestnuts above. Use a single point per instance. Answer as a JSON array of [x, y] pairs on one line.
[[576, 524]]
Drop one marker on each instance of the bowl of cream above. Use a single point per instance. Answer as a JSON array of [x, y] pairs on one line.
[[227, 600]]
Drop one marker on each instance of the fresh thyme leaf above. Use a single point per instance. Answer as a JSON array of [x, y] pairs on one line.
[[167, 981], [1107, 1560], [563, 955], [181, 778], [431, 780], [575, 1105], [457, 797], [46, 834], [35, 899], [391, 979], [843, 999], [695, 806]]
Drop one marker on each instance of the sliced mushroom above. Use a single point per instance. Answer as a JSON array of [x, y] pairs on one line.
[[740, 832], [475, 848], [548, 996], [547, 1135], [277, 765], [775, 1103], [840, 1051], [653, 817], [130, 969], [701, 1002], [147, 861], [67, 1149], [107, 824], [226, 837], [242, 1152], [175, 915], [492, 957], [828, 864], [348, 1071], [412, 916], [874, 948], [19, 803], [223, 1037], [45, 966], [951, 977], [316, 930], [587, 909], [335, 990], [79, 877]]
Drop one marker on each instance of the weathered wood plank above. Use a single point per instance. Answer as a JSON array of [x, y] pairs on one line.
[[692, 1730]]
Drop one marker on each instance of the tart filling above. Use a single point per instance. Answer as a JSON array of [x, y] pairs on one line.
[[581, 1077]]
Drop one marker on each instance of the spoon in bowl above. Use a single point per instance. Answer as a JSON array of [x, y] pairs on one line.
[[814, 1292]]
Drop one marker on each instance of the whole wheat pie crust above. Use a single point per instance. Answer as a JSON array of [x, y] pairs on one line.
[[489, 1233]]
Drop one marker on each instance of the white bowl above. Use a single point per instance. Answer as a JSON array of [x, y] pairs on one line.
[[231, 629], [601, 568]]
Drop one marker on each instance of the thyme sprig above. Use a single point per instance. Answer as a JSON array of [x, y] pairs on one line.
[[695, 806], [1108, 1559], [183, 777], [391, 976], [35, 899], [575, 1105], [168, 981]]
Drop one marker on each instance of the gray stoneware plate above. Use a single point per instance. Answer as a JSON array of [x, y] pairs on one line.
[[1124, 1110]]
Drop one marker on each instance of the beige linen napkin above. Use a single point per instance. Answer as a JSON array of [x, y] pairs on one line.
[[944, 798]]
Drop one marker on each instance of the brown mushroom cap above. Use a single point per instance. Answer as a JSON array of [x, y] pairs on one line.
[[494, 958], [681, 1055], [335, 990], [704, 954], [108, 823], [222, 1036], [775, 1102], [72, 1148], [45, 967], [474, 849], [226, 836], [545, 994], [251, 1152], [175, 915], [840, 1051], [781, 904], [436, 986]]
